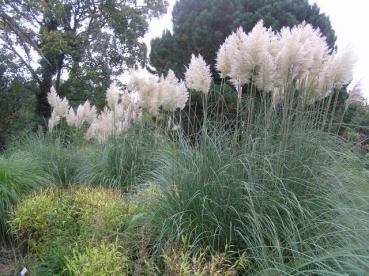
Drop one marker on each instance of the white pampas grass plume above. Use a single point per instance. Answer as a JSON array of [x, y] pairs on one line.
[[167, 93], [53, 121], [341, 68], [85, 113], [260, 45], [173, 93], [102, 127], [356, 95], [71, 117], [240, 62], [302, 52], [116, 119], [147, 89], [198, 75], [59, 106], [112, 96], [182, 95], [243, 57], [223, 63]]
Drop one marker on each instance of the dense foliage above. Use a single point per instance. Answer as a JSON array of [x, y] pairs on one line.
[[17, 98], [73, 231], [89, 41]]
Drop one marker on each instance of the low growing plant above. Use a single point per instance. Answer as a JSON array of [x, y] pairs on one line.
[[100, 260], [18, 177], [58, 224]]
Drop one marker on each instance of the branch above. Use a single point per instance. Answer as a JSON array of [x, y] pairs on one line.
[[28, 15], [21, 34], [29, 67]]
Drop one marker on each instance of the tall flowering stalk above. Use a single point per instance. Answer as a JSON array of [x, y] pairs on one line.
[[168, 93], [85, 113], [289, 71], [60, 108], [273, 62], [123, 107], [116, 118], [283, 74], [198, 77]]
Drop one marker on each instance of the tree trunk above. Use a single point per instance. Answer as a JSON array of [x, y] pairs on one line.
[[49, 66], [59, 71], [43, 108]]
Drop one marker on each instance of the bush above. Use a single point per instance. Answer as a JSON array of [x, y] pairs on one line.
[[101, 260], [57, 224], [180, 262], [18, 176]]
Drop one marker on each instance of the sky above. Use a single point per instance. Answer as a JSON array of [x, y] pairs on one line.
[[349, 19]]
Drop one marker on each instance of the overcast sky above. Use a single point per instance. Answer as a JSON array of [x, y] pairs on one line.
[[349, 19]]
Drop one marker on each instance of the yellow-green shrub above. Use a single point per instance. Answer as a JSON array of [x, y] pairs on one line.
[[33, 216], [57, 223], [180, 262], [101, 260]]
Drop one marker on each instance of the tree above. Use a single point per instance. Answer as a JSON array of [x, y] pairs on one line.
[[202, 26], [16, 98], [87, 40]]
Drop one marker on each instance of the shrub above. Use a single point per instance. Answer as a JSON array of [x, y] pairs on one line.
[[101, 260], [18, 176], [55, 224], [180, 262]]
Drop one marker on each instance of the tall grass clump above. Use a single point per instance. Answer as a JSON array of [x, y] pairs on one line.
[[121, 161], [270, 184], [310, 219], [53, 154], [19, 175]]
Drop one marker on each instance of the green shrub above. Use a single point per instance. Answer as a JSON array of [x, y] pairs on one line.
[[101, 260], [55, 224], [18, 176]]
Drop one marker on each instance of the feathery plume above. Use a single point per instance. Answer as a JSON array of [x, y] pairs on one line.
[[173, 93], [53, 121], [115, 119], [59, 106], [198, 75], [112, 96], [167, 93], [85, 113], [240, 62], [355, 95]]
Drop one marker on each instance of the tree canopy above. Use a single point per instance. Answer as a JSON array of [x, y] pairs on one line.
[[88, 41], [200, 27]]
